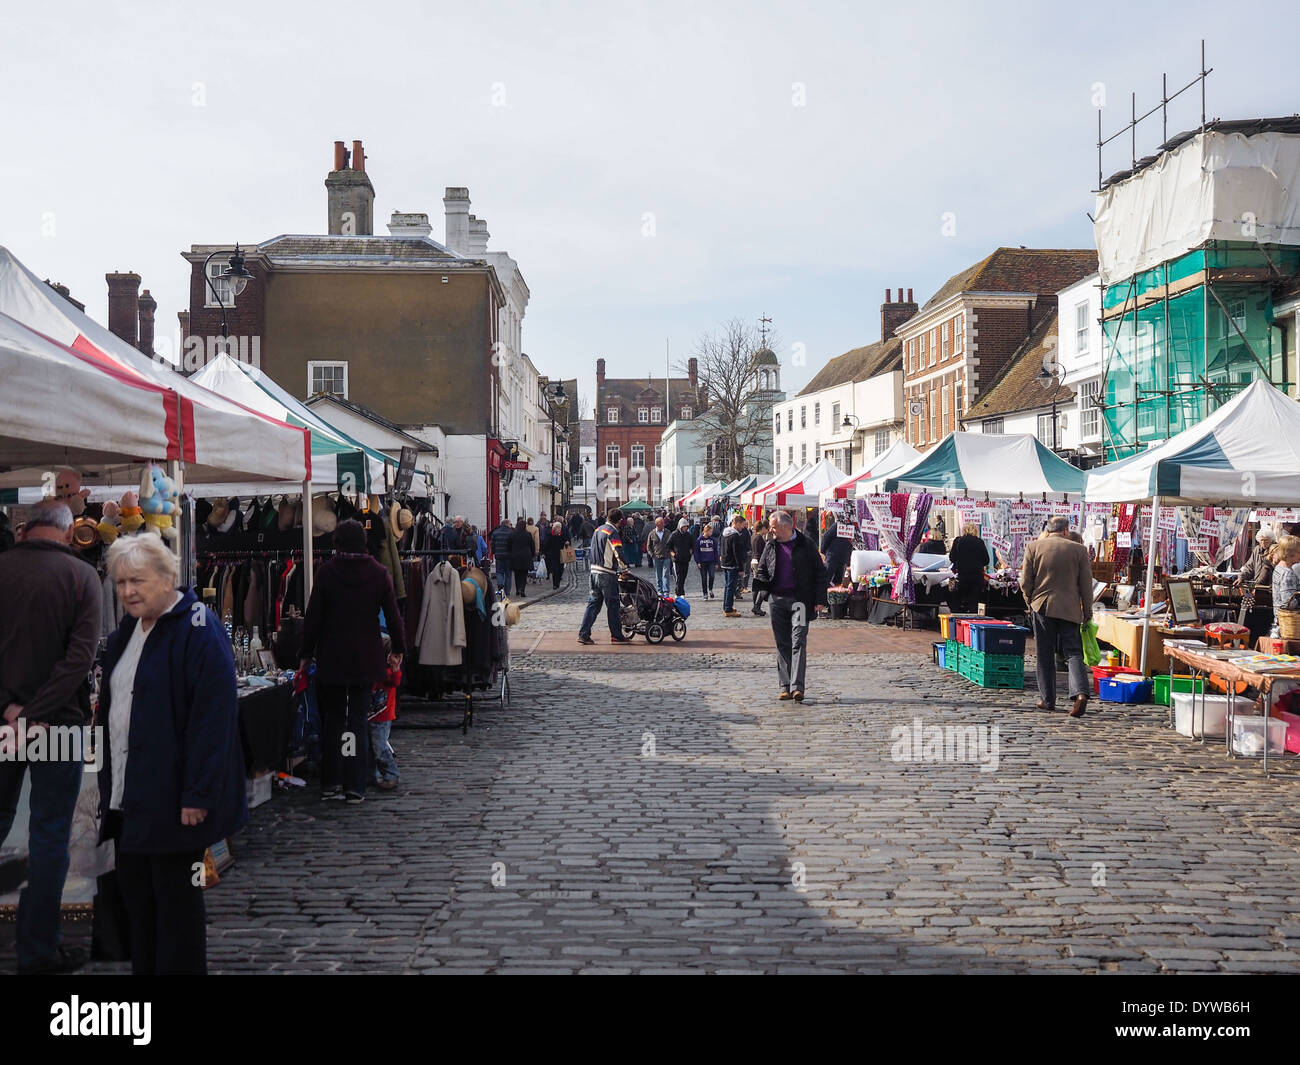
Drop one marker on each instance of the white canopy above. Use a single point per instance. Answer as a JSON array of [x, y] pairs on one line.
[[994, 465], [754, 497], [1246, 453], [899, 454], [804, 492]]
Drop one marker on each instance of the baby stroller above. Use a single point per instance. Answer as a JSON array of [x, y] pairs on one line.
[[646, 613]]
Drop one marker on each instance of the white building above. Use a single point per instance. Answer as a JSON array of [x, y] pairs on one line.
[[683, 458], [584, 479], [1082, 361]]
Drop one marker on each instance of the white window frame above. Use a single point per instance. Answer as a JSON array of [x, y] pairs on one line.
[[835, 416], [920, 362], [803, 454], [659, 455], [993, 426], [1043, 429], [635, 464], [656, 415], [312, 366], [215, 269], [882, 441], [643, 415], [776, 466], [958, 328], [789, 455], [944, 401], [1239, 318], [688, 413], [944, 337], [611, 415], [778, 426], [1089, 413], [1081, 329], [934, 347], [789, 420], [803, 416], [817, 414], [612, 456]]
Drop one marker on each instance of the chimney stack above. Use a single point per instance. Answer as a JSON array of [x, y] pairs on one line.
[[147, 305], [455, 205], [693, 373], [350, 196], [478, 236], [600, 376], [183, 318], [124, 306], [892, 315], [409, 224]]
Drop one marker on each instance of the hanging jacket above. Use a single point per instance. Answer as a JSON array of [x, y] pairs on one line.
[[440, 637]]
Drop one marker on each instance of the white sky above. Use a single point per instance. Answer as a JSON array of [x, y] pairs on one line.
[[612, 110]]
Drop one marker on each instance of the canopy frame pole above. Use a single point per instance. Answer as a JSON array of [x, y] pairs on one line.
[[1151, 570], [308, 569]]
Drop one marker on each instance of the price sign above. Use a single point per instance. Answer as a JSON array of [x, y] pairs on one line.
[[1209, 528], [1000, 543], [1168, 519], [892, 523], [1198, 543], [1019, 525], [844, 530], [1099, 508], [1123, 539]]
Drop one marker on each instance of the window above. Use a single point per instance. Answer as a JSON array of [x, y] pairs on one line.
[[643, 415], [835, 416], [708, 456], [992, 425], [789, 420], [778, 425], [943, 393], [817, 450], [659, 456], [789, 455], [1090, 416], [216, 269], [817, 414], [958, 325], [638, 456], [803, 417], [911, 355], [934, 414], [688, 413], [943, 352], [803, 454], [882, 441], [329, 377], [611, 415], [776, 468], [1237, 312], [580, 476], [656, 414], [956, 402], [1081, 329], [1046, 430], [934, 346], [611, 456], [920, 362]]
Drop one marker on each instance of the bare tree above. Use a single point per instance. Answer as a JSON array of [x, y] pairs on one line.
[[733, 421]]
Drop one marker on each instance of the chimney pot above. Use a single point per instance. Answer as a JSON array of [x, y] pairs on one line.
[[358, 157], [886, 295], [147, 305], [909, 295], [893, 315], [339, 154]]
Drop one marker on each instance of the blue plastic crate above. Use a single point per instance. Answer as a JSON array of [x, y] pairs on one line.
[[1124, 691], [999, 639]]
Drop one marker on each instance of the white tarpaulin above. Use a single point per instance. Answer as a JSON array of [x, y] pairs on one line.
[[1215, 186], [754, 497], [804, 491]]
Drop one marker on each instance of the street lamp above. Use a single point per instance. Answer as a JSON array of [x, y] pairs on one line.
[[235, 275], [851, 422], [557, 398], [1053, 374]]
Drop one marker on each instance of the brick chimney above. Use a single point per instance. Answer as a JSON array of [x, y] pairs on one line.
[[350, 196], [124, 306], [693, 373], [147, 305], [409, 224], [455, 206], [896, 313], [600, 373], [478, 236], [183, 318]]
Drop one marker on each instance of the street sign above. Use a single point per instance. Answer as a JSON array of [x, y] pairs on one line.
[[511, 464], [405, 470]]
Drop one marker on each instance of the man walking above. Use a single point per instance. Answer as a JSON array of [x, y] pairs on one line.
[[791, 571], [682, 545], [656, 546], [49, 631], [606, 563], [1056, 578], [454, 536], [733, 557], [501, 552]]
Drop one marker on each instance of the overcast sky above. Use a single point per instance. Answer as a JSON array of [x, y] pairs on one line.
[[791, 160]]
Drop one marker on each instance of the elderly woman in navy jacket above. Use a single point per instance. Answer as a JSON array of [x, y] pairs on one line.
[[172, 781]]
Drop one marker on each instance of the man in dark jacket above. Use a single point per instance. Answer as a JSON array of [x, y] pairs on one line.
[[792, 572], [455, 537], [733, 557], [49, 631], [836, 551], [606, 564], [681, 545], [501, 552]]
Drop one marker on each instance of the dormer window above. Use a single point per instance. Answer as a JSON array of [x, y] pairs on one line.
[[688, 413], [643, 415], [611, 415], [656, 414]]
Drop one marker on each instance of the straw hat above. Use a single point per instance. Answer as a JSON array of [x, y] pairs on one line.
[[323, 518], [220, 511], [511, 613], [476, 575], [399, 519]]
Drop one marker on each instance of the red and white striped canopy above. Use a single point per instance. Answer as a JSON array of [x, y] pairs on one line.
[[803, 491]]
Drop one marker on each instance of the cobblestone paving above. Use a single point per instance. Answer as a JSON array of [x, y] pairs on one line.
[[665, 813]]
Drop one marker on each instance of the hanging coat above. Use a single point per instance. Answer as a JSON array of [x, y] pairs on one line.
[[440, 637]]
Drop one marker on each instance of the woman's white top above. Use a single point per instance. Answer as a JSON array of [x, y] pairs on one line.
[[122, 686]]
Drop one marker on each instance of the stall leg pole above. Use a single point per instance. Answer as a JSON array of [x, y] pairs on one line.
[[1151, 569], [308, 569]]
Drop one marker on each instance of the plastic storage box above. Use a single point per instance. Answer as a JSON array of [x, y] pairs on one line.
[[999, 639], [964, 625], [1163, 683], [994, 671], [1248, 735], [1188, 719], [948, 624], [1292, 729], [1124, 691]]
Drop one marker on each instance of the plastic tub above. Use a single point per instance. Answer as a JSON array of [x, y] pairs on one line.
[[964, 625], [1187, 715], [1292, 729], [1100, 673], [1124, 691], [1248, 736], [1162, 683], [999, 639]]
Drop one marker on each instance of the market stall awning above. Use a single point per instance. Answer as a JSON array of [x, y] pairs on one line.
[[986, 464], [335, 455], [1246, 453], [700, 495], [216, 438], [741, 484], [805, 491], [895, 457], [754, 496]]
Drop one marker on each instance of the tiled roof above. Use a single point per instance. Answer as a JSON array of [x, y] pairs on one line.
[[1017, 387], [624, 393], [1040, 270], [858, 365]]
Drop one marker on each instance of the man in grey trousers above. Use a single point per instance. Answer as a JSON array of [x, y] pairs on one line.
[[792, 571], [1056, 578]]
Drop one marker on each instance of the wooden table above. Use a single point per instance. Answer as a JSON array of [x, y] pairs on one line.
[[1126, 636], [1269, 685]]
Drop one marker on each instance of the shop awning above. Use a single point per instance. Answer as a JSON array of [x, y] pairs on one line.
[[216, 438], [700, 495], [805, 491], [754, 497], [1246, 453], [898, 455], [985, 464], [741, 484]]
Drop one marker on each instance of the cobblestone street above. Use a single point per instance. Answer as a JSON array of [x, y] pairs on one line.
[[666, 813]]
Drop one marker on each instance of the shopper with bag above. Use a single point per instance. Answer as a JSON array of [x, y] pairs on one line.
[[792, 572], [681, 545], [1056, 579], [706, 558], [553, 548], [522, 554]]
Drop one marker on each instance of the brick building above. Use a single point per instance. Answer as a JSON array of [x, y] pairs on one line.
[[399, 324], [965, 336], [631, 415]]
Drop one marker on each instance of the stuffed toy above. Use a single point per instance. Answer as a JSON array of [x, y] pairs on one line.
[[159, 500], [67, 489], [111, 523], [130, 513]]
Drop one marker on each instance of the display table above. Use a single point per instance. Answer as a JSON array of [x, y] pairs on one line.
[[1269, 685], [1126, 636], [266, 726]]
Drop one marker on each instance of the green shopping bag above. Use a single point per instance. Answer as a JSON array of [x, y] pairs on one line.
[[1091, 652]]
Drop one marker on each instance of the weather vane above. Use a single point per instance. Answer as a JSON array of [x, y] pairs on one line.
[[762, 329]]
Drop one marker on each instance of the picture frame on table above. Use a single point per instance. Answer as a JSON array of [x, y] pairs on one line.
[[1182, 601], [267, 659]]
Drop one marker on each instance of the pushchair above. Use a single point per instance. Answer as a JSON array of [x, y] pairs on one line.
[[644, 612]]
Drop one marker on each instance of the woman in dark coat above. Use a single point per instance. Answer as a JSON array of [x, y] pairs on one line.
[[341, 629], [172, 781], [969, 557], [522, 556], [682, 546], [556, 540]]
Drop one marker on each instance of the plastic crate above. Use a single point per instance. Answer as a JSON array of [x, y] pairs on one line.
[[1292, 729], [1124, 691], [1100, 673], [1162, 686], [964, 626], [948, 624], [993, 678], [952, 652], [1248, 735], [999, 639], [1009, 664], [938, 651], [1197, 714]]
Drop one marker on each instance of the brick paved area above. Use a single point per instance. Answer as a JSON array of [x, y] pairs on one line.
[[662, 812]]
